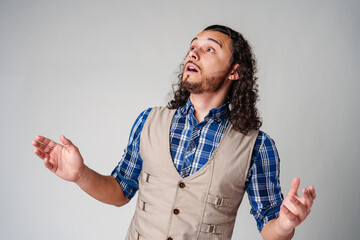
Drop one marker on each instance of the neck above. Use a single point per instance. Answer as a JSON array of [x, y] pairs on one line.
[[204, 102]]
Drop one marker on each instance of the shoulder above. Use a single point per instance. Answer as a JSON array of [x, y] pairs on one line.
[[263, 140], [162, 110], [144, 114], [152, 113], [141, 118], [139, 124], [264, 145], [159, 113]]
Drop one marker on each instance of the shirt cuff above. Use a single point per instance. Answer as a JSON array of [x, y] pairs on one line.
[[266, 215], [129, 187]]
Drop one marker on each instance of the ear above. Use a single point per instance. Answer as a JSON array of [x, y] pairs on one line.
[[234, 75]]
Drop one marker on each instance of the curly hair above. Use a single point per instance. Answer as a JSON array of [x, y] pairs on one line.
[[243, 94]]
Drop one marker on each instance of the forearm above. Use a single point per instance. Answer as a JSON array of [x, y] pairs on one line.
[[103, 188], [272, 231]]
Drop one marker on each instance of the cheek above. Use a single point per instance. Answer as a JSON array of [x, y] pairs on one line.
[[217, 69], [217, 62]]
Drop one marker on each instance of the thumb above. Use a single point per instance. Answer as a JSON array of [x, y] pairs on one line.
[[65, 141], [294, 186]]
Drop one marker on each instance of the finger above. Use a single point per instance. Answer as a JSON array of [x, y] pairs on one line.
[[312, 192], [41, 146], [46, 141], [308, 200], [68, 144], [302, 210], [292, 217], [40, 153], [294, 186], [65, 141], [48, 164]]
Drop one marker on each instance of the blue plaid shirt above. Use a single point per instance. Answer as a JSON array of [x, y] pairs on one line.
[[192, 145]]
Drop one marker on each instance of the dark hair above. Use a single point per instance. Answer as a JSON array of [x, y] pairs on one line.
[[243, 94]]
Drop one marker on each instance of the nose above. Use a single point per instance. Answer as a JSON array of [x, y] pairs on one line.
[[194, 55]]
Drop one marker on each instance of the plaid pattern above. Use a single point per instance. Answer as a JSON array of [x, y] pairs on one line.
[[262, 182], [192, 145]]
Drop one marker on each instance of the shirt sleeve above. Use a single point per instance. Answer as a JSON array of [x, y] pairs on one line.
[[128, 169], [263, 183]]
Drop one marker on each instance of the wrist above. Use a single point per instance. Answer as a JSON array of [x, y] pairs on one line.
[[82, 175], [282, 232]]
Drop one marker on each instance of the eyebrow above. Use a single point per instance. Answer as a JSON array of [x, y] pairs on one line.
[[210, 39]]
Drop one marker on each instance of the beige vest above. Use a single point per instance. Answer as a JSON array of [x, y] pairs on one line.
[[200, 206]]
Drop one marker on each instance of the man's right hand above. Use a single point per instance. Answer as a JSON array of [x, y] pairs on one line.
[[63, 160], [66, 162]]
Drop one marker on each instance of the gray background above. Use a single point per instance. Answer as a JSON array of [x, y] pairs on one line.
[[86, 69]]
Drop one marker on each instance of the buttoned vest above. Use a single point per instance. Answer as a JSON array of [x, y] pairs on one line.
[[201, 206]]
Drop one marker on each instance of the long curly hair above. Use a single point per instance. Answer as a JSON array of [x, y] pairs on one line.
[[243, 94]]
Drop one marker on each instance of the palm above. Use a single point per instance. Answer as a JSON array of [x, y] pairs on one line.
[[289, 224], [295, 209], [65, 161]]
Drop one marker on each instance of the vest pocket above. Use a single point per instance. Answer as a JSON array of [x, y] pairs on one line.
[[218, 201], [148, 178], [210, 232], [149, 181], [144, 206]]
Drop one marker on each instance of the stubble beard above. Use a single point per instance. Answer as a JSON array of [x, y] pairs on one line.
[[210, 84]]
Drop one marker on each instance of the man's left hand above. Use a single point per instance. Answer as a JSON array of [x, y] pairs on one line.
[[295, 209]]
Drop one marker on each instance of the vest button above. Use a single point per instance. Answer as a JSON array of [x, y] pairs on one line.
[[169, 238], [176, 211], [181, 184]]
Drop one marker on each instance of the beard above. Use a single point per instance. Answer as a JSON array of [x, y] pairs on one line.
[[211, 83]]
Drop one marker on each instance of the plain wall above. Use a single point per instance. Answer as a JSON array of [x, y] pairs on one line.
[[86, 69]]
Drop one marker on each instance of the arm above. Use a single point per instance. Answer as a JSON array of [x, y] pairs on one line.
[[103, 188], [294, 211], [276, 218], [263, 185], [66, 162]]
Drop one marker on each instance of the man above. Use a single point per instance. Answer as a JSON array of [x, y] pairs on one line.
[[193, 161]]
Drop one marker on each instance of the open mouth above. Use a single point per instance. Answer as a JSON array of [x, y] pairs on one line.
[[191, 68]]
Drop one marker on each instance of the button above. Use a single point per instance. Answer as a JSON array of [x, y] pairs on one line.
[[181, 184], [190, 149], [176, 211], [169, 238], [196, 128]]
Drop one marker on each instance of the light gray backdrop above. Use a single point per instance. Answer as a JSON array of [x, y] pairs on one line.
[[86, 69]]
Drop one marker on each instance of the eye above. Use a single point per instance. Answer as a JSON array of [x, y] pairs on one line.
[[192, 48], [210, 50]]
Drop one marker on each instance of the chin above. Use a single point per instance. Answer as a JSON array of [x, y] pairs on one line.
[[188, 78], [191, 86]]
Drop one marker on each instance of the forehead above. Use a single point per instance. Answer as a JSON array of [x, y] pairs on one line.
[[223, 39]]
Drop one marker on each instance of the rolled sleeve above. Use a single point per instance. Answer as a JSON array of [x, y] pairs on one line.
[[263, 184], [129, 167]]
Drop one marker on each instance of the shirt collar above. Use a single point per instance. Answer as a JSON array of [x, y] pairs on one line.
[[218, 114]]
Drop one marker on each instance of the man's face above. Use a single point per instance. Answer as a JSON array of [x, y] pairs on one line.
[[207, 65]]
